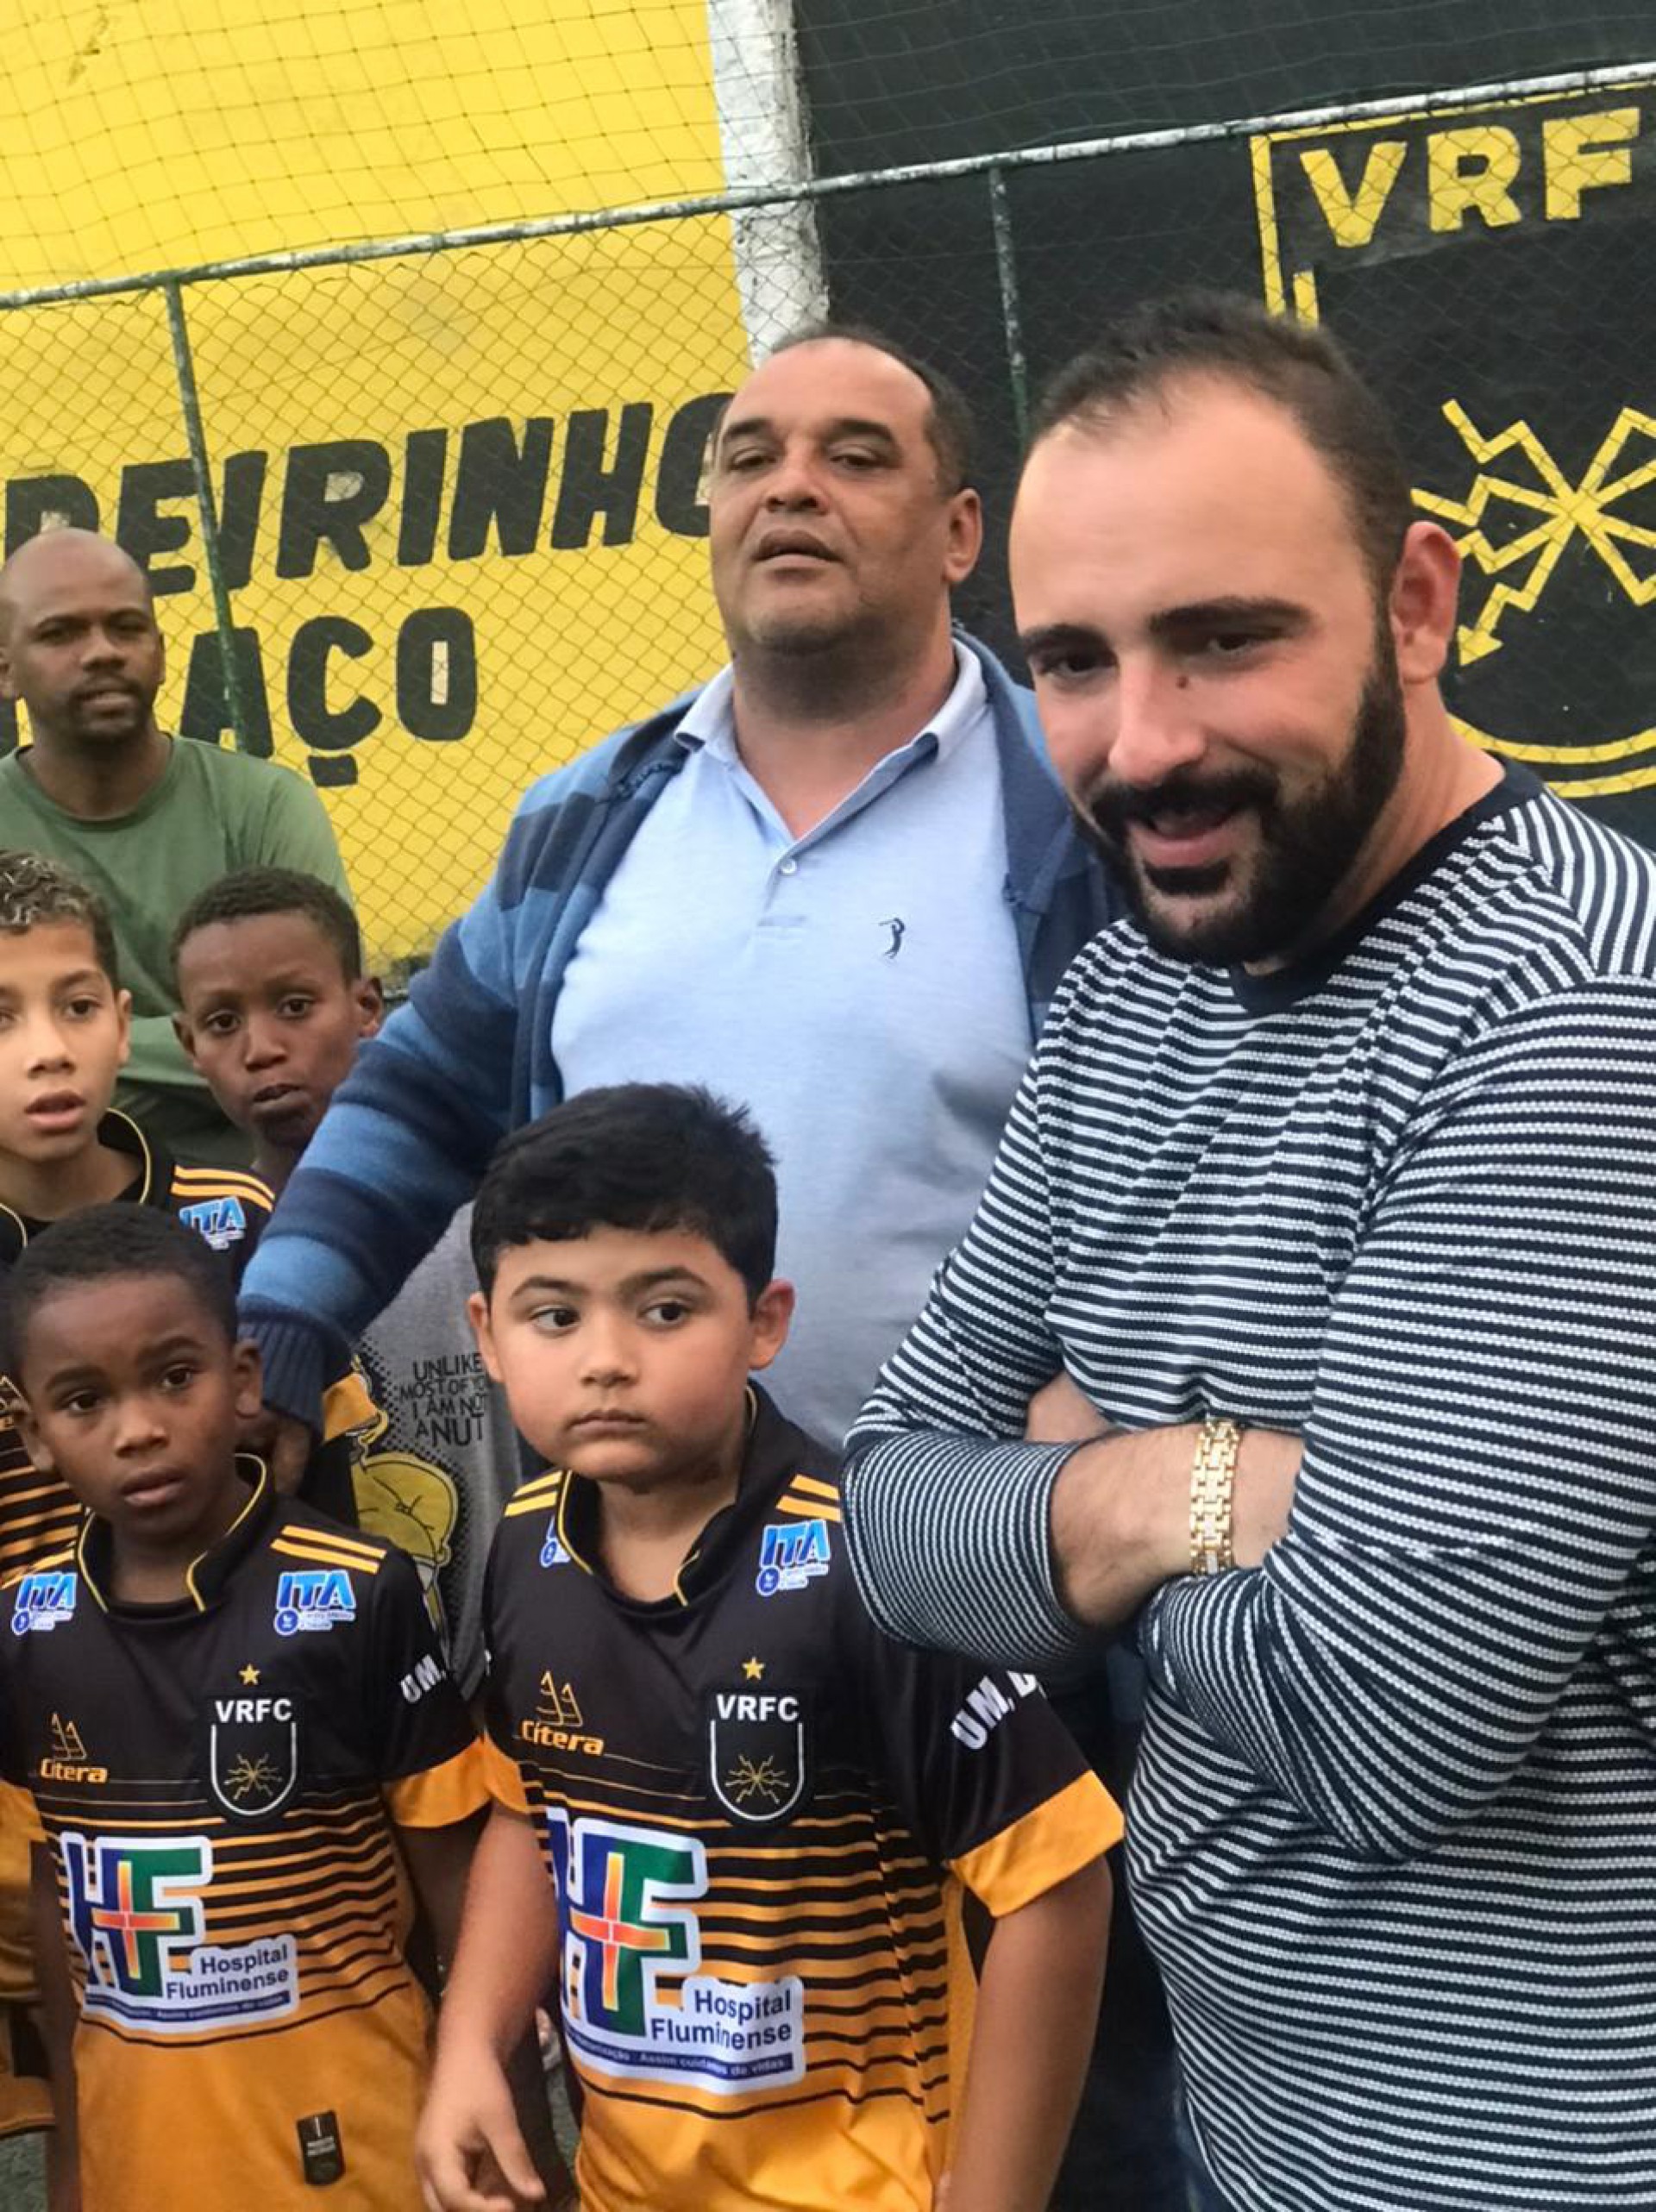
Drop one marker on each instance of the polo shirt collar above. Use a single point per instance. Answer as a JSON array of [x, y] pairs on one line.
[[709, 723], [206, 1578]]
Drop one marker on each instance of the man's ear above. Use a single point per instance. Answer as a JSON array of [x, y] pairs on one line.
[[477, 1313], [184, 1030], [965, 537], [8, 680], [1424, 594], [773, 1314]]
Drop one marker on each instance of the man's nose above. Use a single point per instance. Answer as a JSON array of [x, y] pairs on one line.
[[1158, 725], [794, 481], [102, 649]]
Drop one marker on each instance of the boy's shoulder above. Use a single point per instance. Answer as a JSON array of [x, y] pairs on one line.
[[226, 1206], [296, 1530]]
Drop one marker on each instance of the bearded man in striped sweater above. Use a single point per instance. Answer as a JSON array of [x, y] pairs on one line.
[[1332, 1188]]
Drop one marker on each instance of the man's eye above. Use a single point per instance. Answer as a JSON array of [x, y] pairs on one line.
[[79, 1402], [858, 457], [553, 1319], [1227, 644], [179, 1376], [295, 1009], [1073, 665], [219, 1024], [83, 1008], [744, 459], [668, 1311]]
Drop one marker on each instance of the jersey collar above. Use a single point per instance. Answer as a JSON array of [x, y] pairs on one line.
[[152, 1179], [206, 1578], [776, 1452]]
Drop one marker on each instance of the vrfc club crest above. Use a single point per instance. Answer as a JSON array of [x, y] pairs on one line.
[[758, 1754], [253, 1762]]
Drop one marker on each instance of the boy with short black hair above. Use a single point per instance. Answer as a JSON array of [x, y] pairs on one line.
[[233, 1723], [274, 1001], [762, 1815]]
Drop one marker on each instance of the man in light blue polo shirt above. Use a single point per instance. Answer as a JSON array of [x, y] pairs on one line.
[[838, 884]]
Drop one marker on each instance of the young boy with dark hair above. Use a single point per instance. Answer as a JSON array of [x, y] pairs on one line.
[[273, 1002], [761, 1816], [64, 1024], [235, 1728]]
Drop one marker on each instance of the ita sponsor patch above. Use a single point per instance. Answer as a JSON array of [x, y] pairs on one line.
[[791, 1553], [312, 1599], [635, 2003], [43, 1601], [222, 1221]]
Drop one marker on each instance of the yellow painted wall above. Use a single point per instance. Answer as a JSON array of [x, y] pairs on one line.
[[160, 137]]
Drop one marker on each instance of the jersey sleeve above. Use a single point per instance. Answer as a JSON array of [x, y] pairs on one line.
[[425, 1747], [984, 1772]]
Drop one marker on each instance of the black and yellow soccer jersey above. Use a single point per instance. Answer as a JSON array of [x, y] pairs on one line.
[[39, 1516], [760, 1815], [218, 1781]]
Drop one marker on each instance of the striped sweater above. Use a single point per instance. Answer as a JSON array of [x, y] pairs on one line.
[[1393, 1831]]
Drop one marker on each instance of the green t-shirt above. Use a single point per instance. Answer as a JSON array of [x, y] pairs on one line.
[[211, 811]]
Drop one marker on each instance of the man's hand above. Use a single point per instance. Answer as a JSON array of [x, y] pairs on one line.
[[468, 2152], [1121, 1515], [1062, 1412], [284, 1444], [1267, 1471]]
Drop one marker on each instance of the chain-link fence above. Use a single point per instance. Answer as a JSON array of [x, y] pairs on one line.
[[425, 515]]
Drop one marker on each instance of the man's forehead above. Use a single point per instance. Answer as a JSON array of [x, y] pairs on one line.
[[826, 380], [61, 567], [1204, 439], [1225, 494]]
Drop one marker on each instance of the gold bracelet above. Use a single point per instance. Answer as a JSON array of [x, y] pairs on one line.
[[1212, 1495]]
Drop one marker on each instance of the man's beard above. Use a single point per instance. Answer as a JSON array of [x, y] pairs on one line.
[[1306, 847]]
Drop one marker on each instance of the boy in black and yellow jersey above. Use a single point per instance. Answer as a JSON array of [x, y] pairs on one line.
[[64, 1024], [761, 1817], [235, 1728]]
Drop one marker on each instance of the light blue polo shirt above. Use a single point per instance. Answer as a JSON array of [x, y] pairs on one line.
[[858, 988]]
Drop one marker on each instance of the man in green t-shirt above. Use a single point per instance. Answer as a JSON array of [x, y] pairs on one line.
[[143, 820]]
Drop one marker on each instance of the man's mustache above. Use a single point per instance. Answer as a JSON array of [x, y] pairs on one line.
[[1111, 806]]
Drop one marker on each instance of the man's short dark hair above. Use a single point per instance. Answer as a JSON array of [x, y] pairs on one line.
[[633, 1155], [254, 891], [950, 430], [106, 1243], [1301, 367], [35, 894]]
